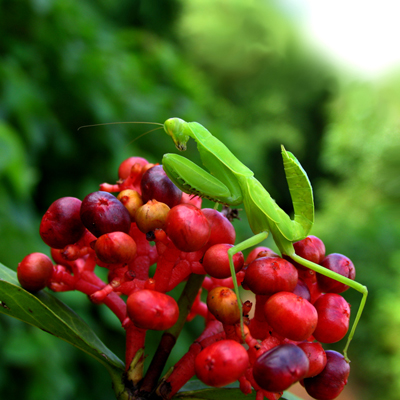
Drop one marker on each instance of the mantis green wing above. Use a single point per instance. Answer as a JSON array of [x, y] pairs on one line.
[[300, 191]]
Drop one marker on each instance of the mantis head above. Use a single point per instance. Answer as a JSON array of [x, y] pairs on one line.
[[177, 128]]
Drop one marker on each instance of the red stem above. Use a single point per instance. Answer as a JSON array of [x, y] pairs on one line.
[[91, 283], [135, 339], [165, 265]]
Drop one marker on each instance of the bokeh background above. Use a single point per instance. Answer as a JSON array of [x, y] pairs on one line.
[[244, 69]]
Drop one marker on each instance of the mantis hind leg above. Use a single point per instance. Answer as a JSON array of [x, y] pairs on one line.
[[231, 252], [342, 279]]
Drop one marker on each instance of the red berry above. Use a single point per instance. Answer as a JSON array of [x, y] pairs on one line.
[[269, 275], [101, 213], [279, 368], [340, 264], [291, 316], [115, 248], [61, 224], [331, 381], [221, 363], [187, 227], [316, 357], [311, 248], [216, 261], [222, 303], [156, 185], [149, 309], [124, 169], [222, 230], [258, 252], [34, 271], [333, 318]]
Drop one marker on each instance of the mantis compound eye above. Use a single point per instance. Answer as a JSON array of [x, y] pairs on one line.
[[177, 129]]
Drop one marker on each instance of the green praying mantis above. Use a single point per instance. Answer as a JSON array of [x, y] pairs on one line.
[[231, 183]]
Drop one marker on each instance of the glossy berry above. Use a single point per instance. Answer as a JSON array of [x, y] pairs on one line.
[[316, 356], [132, 200], [269, 275], [340, 264], [152, 215], [156, 185], [61, 224], [125, 167], [149, 309], [115, 248], [331, 381], [222, 230], [291, 316], [221, 363], [222, 303], [187, 227], [279, 368], [216, 261], [101, 213], [260, 251], [34, 271], [302, 290], [333, 318], [311, 248]]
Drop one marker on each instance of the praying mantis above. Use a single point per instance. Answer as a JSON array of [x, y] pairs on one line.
[[231, 183]]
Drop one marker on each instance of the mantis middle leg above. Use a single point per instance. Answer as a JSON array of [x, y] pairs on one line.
[[253, 241]]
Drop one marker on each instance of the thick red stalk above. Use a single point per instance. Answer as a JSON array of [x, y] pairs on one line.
[[165, 265], [135, 339]]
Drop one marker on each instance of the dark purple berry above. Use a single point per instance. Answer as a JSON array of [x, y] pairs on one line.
[[156, 185], [340, 264], [61, 225], [101, 213], [331, 381], [279, 368]]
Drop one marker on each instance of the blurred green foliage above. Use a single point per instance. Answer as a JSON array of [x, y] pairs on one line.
[[241, 69]]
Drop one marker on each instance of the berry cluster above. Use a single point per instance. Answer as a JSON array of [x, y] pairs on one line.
[[152, 221]]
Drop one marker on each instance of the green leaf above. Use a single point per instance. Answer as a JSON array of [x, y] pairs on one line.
[[289, 396], [51, 315], [196, 390]]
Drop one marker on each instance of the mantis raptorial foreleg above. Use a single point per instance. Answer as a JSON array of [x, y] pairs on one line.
[[194, 180]]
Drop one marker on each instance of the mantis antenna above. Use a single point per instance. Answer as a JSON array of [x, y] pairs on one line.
[[120, 123], [129, 122], [138, 137]]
